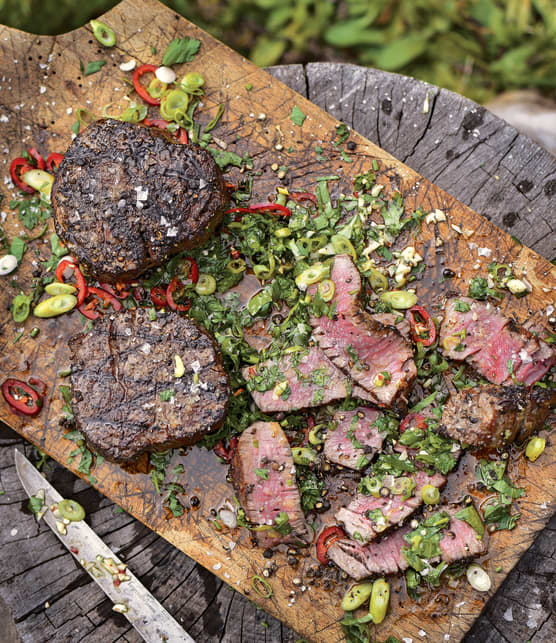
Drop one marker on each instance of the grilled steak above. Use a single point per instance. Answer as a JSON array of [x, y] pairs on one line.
[[296, 381], [368, 516], [493, 416], [381, 557], [493, 344], [126, 398], [352, 440], [397, 321], [263, 473], [376, 357], [127, 196], [458, 541]]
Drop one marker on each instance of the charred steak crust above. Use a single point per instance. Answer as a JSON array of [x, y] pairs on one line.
[[127, 196], [492, 416], [123, 365]]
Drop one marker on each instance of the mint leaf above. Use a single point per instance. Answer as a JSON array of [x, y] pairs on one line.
[[297, 116], [181, 50]]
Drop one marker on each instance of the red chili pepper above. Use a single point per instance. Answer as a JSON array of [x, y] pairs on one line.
[[39, 161], [141, 89], [262, 207], [326, 539], [118, 290], [38, 385], [415, 420], [304, 196], [224, 453], [18, 167], [87, 311], [181, 133], [158, 296], [27, 402], [82, 289], [107, 298], [139, 293], [194, 270], [418, 328], [176, 284], [53, 161]]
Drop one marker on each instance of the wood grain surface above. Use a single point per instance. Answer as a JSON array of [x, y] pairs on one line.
[[41, 117]]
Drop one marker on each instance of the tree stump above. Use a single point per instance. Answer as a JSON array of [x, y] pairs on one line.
[[461, 147]]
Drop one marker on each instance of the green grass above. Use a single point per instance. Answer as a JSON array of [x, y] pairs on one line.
[[475, 47]]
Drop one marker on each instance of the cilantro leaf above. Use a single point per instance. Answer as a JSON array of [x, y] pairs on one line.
[[297, 116], [262, 473], [18, 248], [93, 67], [181, 50]]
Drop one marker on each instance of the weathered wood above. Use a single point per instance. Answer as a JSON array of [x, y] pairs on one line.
[[314, 612]]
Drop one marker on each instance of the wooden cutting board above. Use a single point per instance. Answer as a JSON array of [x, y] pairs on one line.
[[40, 88]]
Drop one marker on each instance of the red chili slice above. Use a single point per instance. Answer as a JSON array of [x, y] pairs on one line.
[[119, 290], [141, 89], [176, 284], [262, 207], [421, 328], [139, 293], [158, 296], [82, 289], [326, 539], [194, 270], [18, 167], [303, 196], [39, 161], [38, 385], [88, 311], [181, 133], [415, 420], [22, 398], [53, 161], [226, 453], [107, 298]]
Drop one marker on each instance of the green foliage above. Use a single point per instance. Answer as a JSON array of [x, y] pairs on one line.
[[475, 47]]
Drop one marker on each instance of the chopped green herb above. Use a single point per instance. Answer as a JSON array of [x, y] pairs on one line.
[[167, 395], [297, 116], [262, 473], [94, 67], [181, 50]]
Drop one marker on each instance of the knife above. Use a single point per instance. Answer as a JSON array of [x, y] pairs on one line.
[[122, 587]]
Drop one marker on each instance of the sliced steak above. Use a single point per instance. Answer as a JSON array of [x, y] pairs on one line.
[[263, 474], [127, 196], [397, 321], [379, 557], [460, 540], [296, 381], [493, 416], [126, 399], [493, 344], [353, 438], [366, 517], [376, 357]]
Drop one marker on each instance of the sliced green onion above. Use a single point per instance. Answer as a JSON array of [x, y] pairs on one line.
[[535, 448], [343, 245], [430, 494], [311, 276], [315, 437], [71, 510], [212, 124], [206, 285], [326, 289], [103, 33], [399, 299], [303, 455], [84, 116], [257, 582], [265, 272], [377, 280], [236, 266], [380, 597], [157, 88], [173, 105], [192, 83]]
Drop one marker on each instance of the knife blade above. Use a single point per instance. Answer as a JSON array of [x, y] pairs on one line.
[[137, 604]]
